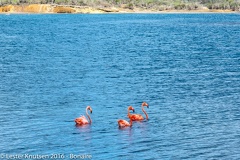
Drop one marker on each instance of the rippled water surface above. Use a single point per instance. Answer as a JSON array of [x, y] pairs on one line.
[[185, 66]]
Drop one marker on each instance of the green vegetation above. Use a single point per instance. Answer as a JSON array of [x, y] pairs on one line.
[[145, 4]]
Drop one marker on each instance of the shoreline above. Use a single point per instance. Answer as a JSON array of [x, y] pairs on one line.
[[57, 9]]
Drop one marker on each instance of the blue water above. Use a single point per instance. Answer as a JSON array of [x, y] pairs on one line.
[[185, 66]]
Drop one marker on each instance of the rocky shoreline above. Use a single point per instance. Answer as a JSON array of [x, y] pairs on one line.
[[49, 8]]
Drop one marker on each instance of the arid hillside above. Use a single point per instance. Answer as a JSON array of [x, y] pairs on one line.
[[48, 8]]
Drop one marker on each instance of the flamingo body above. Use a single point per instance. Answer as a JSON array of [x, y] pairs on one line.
[[124, 123], [136, 117], [81, 120]]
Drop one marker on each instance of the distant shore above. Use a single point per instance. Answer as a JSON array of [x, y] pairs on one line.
[[51, 8]]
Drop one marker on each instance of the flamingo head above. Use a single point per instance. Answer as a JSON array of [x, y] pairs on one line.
[[89, 108], [145, 104], [131, 108]]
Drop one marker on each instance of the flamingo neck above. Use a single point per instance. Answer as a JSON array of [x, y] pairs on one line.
[[90, 121], [130, 122], [145, 112], [129, 115]]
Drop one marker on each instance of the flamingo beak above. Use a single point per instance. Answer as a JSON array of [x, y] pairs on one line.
[[147, 106], [133, 110], [91, 111]]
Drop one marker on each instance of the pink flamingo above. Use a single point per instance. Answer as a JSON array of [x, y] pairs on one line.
[[83, 120], [123, 123], [139, 117]]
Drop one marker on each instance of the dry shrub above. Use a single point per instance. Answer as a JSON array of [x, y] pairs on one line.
[[7, 8]]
